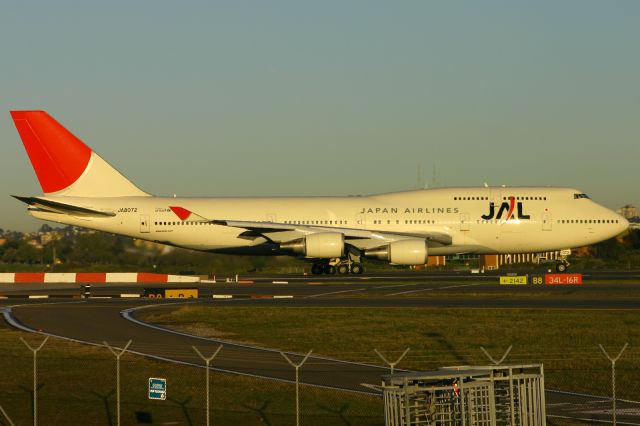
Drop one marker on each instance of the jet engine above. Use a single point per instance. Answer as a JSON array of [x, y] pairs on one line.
[[411, 251], [322, 245]]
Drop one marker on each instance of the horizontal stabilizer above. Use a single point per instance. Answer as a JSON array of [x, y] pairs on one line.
[[62, 208]]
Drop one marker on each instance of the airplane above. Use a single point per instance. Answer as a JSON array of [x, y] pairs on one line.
[[334, 233]]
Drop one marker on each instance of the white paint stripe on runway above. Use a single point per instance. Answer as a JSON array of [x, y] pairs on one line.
[[334, 292], [396, 285], [431, 289]]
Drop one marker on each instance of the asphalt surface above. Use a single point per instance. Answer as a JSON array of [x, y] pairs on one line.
[[97, 322]]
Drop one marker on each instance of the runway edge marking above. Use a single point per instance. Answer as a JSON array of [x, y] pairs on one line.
[[333, 292], [432, 289]]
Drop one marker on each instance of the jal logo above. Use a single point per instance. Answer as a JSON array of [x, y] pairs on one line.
[[510, 208]]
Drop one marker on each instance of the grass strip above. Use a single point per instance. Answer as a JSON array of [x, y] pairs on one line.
[[566, 341]]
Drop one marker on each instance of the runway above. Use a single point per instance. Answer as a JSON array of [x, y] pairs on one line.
[[599, 291]]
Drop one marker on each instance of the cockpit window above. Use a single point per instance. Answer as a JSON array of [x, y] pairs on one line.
[[576, 196]]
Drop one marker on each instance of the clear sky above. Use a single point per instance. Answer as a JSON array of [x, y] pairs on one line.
[[329, 97]]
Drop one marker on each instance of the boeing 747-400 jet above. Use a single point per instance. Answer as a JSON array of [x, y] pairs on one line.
[[334, 233]]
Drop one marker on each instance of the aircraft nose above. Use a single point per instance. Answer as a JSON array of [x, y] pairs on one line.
[[624, 224]]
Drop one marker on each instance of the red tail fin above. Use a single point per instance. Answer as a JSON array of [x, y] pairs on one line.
[[57, 156]]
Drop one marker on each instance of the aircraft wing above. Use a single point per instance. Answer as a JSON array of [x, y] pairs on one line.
[[271, 231]]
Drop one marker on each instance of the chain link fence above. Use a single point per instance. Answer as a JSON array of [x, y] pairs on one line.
[[78, 384]]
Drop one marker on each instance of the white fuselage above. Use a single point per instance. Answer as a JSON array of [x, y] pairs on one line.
[[536, 219]]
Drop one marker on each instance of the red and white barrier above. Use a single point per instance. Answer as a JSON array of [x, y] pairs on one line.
[[7, 277], [93, 277]]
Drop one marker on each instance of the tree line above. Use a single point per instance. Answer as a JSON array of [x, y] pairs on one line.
[[73, 249]]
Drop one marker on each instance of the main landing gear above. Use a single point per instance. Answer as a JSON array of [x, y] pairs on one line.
[[342, 268], [339, 266]]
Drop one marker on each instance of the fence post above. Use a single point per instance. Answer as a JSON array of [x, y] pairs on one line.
[[392, 364], [613, 376], [207, 361], [35, 376], [118, 355], [511, 399], [297, 367], [6, 416], [492, 359]]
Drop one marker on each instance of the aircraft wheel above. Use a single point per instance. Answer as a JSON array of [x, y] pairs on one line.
[[357, 269], [317, 269], [561, 267], [343, 269], [329, 269]]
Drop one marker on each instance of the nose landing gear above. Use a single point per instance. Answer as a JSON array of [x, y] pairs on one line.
[[562, 266]]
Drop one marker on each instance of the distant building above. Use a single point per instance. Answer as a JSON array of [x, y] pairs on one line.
[[437, 261], [628, 211], [35, 243], [47, 237], [494, 261]]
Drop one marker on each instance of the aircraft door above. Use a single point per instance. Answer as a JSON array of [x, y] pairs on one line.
[[272, 217], [495, 195], [145, 225], [465, 222], [546, 221]]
